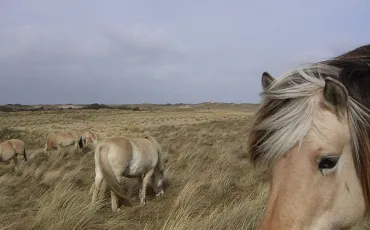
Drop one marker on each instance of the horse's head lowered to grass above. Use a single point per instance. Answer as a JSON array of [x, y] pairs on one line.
[[313, 130]]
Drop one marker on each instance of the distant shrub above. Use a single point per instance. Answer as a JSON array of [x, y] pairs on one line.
[[124, 107], [42, 108], [6, 109], [19, 107], [96, 106]]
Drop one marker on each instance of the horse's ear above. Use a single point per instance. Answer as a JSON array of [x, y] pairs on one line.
[[267, 79], [335, 95]]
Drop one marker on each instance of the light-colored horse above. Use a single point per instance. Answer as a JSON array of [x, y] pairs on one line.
[[313, 130], [120, 157], [10, 149], [64, 139], [89, 136]]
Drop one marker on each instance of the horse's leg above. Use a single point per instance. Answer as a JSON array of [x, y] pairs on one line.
[[15, 159], [114, 199], [91, 188], [145, 184], [103, 188], [140, 182], [96, 186]]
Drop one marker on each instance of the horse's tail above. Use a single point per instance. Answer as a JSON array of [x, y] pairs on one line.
[[24, 154], [160, 158], [160, 163], [80, 142], [106, 169]]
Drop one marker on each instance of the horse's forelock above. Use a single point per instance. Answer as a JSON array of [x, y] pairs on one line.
[[285, 114]]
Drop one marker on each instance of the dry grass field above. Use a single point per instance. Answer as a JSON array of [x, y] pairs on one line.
[[209, 182]]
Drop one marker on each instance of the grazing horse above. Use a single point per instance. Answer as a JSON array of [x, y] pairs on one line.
[[10, 149], [89, 136], [64, 139], [312, 130], [120, 157]]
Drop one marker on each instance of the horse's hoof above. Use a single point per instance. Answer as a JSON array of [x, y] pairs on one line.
[[116, 209], [142, 202]]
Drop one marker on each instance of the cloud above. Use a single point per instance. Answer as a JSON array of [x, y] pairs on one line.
[[132, 50], [77, 61], [187, 52]]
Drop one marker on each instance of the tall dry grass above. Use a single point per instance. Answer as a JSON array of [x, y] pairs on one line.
[[209, 182]]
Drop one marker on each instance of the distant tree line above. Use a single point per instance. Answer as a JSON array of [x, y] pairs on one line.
[[95, 106]]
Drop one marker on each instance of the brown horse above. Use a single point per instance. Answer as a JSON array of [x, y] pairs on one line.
[[120, 157], [10, 149], [64, 139], [313, 130]]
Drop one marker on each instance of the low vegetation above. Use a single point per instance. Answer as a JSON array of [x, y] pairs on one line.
[[209, 182]]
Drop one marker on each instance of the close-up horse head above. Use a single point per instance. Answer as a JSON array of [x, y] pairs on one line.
[[312, 131]]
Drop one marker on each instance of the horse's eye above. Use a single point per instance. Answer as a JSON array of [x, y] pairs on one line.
[[328, 162]]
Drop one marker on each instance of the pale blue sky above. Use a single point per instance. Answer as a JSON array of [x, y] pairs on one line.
[[163, 51]]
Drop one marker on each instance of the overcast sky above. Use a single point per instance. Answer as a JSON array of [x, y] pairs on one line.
[[165, 51]]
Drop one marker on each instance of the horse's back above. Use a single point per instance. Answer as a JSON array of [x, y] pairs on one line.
[[13, 140], [61, 135], [121, 144], [75, 133], [145, 145], [63, 138], [6, 145], [18, 145], [118, 150], [138, 154], [17, 141], [147, 150], [6, 150]]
